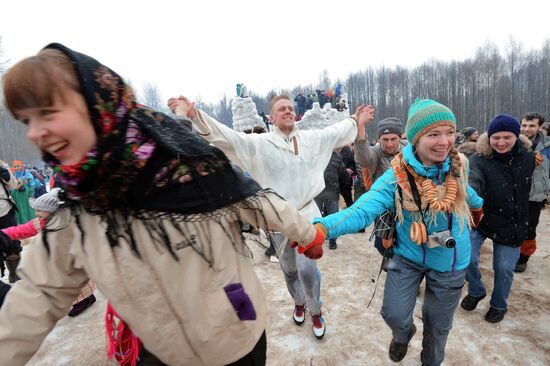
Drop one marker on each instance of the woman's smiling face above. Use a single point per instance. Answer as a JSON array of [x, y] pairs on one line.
[[63, 130]]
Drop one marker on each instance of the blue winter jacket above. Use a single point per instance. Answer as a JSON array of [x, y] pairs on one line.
[[381, 197]]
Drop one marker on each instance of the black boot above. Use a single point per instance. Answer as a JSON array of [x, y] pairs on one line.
[[270, 251], [494, 315], [470, 302], [12, 262], [398, 351]]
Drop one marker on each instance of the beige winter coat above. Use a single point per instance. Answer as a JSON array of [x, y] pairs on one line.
[[179, 309]]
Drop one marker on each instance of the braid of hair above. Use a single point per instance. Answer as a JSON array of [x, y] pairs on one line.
[[457, 164]]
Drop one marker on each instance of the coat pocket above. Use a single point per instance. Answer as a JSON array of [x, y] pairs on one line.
[[240, 301]]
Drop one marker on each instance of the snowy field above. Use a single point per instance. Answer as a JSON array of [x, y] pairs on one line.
[[357, 335]]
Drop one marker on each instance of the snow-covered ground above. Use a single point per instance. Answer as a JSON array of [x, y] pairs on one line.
[[357, 335]]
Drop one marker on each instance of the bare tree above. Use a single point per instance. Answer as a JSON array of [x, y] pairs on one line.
[[152, 98]]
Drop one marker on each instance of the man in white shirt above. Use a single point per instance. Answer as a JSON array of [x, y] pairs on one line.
[[291, 162]]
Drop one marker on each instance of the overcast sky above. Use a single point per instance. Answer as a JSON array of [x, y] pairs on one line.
[[204, 47]]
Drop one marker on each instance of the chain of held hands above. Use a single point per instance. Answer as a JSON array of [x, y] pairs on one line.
[[182, 106], [364, 114]]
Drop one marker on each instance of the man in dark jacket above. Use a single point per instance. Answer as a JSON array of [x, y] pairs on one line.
[[8, 247], [7, 219], [346, 185], [328, 199], [500, 172], [530, 127]]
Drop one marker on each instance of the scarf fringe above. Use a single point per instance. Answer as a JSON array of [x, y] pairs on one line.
[[119, 226]]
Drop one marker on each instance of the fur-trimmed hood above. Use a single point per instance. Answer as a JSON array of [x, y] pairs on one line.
[[484, 148], [467, 148]]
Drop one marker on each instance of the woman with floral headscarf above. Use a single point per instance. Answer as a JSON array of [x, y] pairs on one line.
[[152, 217]]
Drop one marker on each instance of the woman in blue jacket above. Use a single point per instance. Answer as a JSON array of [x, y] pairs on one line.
[[432, 236]]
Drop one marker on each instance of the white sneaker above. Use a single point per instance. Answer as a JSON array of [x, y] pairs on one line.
[[299, 314], [274, 259], [319, 326]]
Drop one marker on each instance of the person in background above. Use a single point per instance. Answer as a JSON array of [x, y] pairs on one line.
[[45, 206], [544, 128], [377, 159], [346, 185], [501, 173], [467, 145], [8, 211], [531, 125], [23, 192], [328, 200]]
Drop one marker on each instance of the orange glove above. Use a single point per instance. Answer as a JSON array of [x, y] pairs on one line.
[[477, 215], [538, 159], [313, 250]]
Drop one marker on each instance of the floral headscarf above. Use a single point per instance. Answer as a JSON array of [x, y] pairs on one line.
[[143, 159], [145, 164]]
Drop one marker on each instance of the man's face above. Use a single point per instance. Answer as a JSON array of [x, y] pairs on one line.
[[474, 136], [389, 143], [283, 115], [529, 128]]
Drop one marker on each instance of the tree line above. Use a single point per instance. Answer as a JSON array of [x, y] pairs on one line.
[[514, 81]]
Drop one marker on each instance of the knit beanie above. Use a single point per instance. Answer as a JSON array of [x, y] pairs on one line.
[[390, 125], [425, 114], [48, 202], [468, 131], [504, 122]]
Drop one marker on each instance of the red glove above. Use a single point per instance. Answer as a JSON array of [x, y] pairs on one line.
[[477, 215], [313, 250]]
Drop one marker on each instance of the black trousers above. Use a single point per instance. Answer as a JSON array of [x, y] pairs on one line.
[[9, 220], [533, 219], [256, 357]]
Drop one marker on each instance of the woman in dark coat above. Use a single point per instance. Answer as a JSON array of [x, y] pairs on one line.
[[500, 172]]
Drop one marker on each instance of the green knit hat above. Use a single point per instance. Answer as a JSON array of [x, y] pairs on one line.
[[424, 115]]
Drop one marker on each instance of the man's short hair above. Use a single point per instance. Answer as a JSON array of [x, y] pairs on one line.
[[532, 116], [277, 98], [258, 129]]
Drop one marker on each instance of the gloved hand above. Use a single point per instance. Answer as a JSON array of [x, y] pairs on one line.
[[538, 158], [477, 215], [313, 250]]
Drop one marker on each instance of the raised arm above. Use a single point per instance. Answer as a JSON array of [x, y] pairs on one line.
[[239, 147]]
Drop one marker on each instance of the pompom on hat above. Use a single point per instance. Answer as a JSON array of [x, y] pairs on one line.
[[425, 114], [504, 122], [48, 202]]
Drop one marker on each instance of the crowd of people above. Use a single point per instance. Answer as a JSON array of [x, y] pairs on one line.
[[149, 208], [333, 96]]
